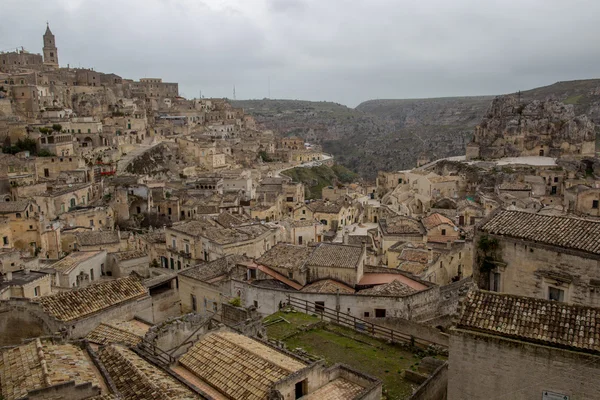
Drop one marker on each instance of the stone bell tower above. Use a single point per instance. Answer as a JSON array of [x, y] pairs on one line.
[[50, 51]]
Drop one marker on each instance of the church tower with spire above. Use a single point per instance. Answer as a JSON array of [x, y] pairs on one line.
[[50, 51]]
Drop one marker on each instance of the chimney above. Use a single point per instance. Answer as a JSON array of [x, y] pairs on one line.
[[364, 247], [8, 276], [430, 251], [26, 271], [448, 244], [346, 237]]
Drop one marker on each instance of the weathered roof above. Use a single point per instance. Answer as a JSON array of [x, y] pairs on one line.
[[327, 286], [154, 237], [434, 220], [129, 255], [238, 366], [335, 255], [97, 238], [338, 389], [531, 319], [325, 207], [21, 369], [569, 232], [137, 379], [204, 272], [106, 333], [228, 220], [514, 186], [70, 262], [7, 207], [284, 255], [393, 288], [401, 225], [67, 306]]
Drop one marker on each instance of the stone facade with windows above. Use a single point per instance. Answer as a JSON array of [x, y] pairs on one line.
[[546, 257]]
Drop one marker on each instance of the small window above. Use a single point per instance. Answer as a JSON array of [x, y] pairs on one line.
[[194, 304], [556, 294], [303, 211], [18, 215], [255, 303], [36, 291], [595, 204], [319, 306], [91, 222], [30, 227], [443, 232], [5, 240], [380, 313], [556, 179], [366, 314]]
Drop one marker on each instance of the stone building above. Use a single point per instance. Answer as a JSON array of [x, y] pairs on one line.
[[523, 348], [50, 51], [543, 256], [79, 269], [265, 372], [26, 284]]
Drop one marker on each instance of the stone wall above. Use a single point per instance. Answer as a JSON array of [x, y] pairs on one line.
[[485, 367], [531, 268], [170, 334], [435, 387], [420, 306]]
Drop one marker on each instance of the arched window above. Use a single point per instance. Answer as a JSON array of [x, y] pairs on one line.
[[73, 202]]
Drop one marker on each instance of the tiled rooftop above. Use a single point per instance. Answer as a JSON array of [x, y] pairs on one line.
[[335, 255], [71, 261], [238, 366], [285, 255], [338, 389], [7, 207], [401, 225], [67, 306], [325, 207], [106, 333], [204, 272], [434, 220], [327, 286], [96, 238], [394, 288], [129, 255], [36, 365], [219, 234], [568, 232], [531, 319], [136, 379]]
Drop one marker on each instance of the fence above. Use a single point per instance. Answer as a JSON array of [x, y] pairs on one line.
[[359, 325]]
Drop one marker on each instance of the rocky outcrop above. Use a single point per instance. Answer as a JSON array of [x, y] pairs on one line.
[[514, 128]]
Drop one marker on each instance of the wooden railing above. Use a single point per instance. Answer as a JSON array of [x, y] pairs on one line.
[[359, 325]]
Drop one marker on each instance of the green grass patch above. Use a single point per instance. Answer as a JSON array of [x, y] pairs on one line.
[[282, 329], [573, 99], [366, 354]]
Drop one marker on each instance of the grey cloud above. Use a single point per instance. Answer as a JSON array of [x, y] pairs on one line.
[[340, 50]]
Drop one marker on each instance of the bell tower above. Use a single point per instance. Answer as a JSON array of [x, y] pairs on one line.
[[50, 51]]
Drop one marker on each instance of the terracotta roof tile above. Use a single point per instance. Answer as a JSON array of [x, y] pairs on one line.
[[434, 220], [105, 333], [335, 255], [284, 255], [327, 286], [531, 319], [96, 238], [238, 366], [568, 232], [71, 261], [136, 379], [67, 306], [394, 288]]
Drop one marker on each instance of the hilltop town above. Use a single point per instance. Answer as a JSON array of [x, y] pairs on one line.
[[158, 247]]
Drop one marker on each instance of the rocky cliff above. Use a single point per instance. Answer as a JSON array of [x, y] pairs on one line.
[[513, 127]]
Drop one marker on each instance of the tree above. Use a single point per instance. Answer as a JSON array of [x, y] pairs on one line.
[[57, 127]]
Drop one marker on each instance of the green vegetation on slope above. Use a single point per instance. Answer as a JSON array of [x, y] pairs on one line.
[[336, 344], [316, 178]]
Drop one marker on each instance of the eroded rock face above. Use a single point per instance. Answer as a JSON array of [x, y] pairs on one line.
[[537, 128]]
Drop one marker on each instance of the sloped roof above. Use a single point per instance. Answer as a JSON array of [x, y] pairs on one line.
[[67, 306], [335, 255], [71, 261], [563, 231], [204, 272], [434, 220], [531, 319], [21, 369], [393, 288], [284, 255], [137, 379], [401, 225], [7, 207], [238, 366], [105, 333], [327, 286]]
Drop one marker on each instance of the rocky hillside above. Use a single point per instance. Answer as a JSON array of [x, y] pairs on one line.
[[392, 134], [514, 127]]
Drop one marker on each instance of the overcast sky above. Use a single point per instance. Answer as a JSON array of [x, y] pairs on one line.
[[346, 51]]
